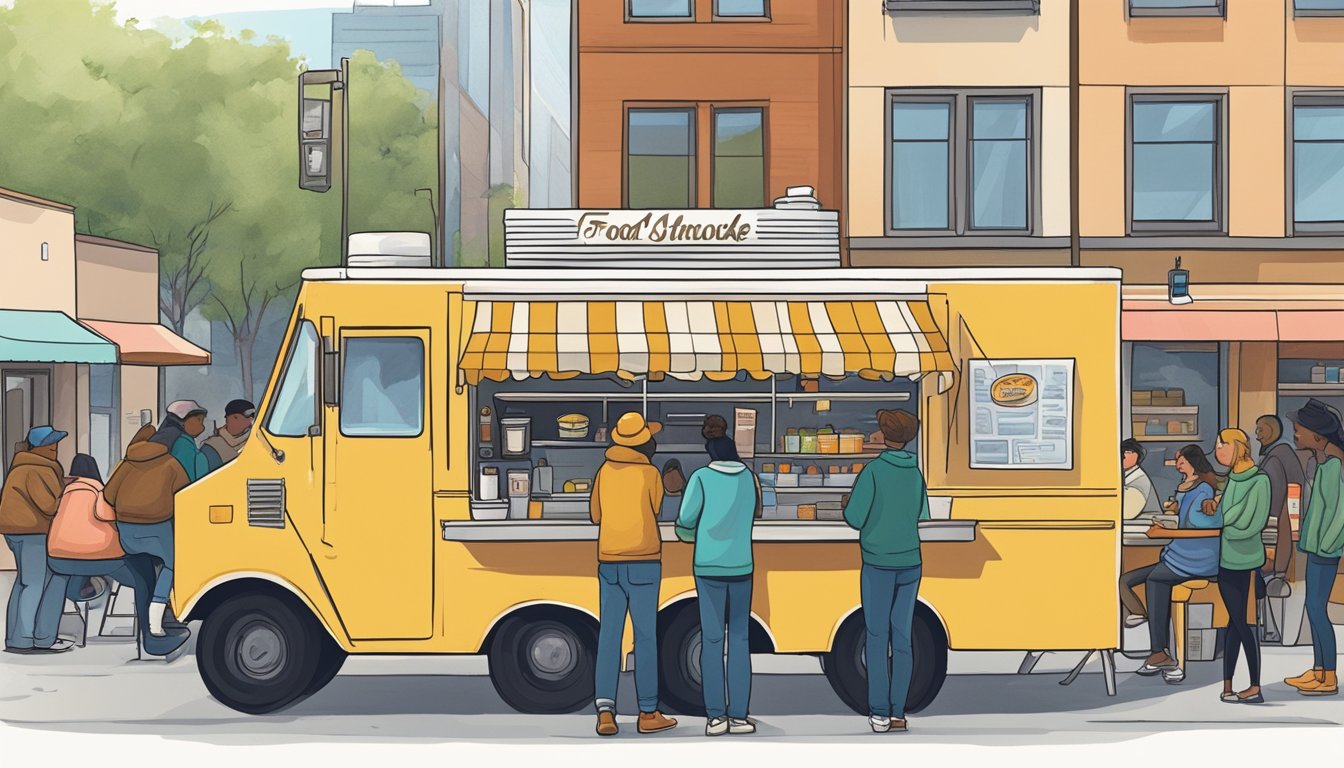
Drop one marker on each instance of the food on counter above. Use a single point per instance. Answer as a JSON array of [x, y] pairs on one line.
[[807, 440], [851, 441], [791, 441], [827, 441], [813, 470], [573, 426], [578, 485], [807, 511]]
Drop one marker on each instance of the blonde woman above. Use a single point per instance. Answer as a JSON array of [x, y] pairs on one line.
[[1245, 510]]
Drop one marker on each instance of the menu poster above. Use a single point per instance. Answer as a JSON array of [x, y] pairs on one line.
[[744, 432], [1021, 414]]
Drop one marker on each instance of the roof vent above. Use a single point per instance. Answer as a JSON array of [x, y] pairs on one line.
[[389, 249], [798, 199]]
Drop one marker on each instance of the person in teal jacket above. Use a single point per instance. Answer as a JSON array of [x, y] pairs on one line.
[[184, 422], [1317, 427], [885, 507], [718, 509], [1241, 552]]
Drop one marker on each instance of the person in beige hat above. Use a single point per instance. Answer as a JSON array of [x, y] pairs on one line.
[[627, 493]]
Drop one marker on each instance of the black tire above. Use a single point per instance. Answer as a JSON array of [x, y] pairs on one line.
[[544, 665], [679, 683], [848, 676], [259, 653], [329, 663]]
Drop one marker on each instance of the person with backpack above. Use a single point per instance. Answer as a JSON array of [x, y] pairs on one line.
[[720, 505], [887, 503]]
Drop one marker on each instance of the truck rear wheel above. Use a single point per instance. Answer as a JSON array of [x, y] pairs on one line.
[[847, 671], [544, 665], [259, 653]]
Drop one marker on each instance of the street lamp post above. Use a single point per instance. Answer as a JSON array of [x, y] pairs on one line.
[[319, 144]]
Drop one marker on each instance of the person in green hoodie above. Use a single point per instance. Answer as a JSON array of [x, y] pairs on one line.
[[887, 503], [720, 504], [1245, 508], [1317, 428], [184, 422]]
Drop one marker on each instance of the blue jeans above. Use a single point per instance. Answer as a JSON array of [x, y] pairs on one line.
[[629, 587], [35, 603], [889, 596], [725, 602], [1320, 579], [134, 571], [155, 540]]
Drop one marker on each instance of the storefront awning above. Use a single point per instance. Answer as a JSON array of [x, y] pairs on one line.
[[695, 339], [148, 343], [1214, 323], [40, 336]]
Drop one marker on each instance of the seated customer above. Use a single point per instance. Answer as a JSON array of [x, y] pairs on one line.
[[1139, 495], [83, 542], [1192, 553]]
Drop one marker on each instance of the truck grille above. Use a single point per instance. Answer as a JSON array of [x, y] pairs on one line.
[[266, 503]]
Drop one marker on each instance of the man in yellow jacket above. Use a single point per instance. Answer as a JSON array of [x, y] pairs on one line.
[[627, 493]]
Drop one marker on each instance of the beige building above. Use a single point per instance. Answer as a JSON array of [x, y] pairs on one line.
[[958, 133], [80, 341]]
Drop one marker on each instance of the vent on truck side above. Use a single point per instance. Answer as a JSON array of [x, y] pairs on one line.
[[266, 503]]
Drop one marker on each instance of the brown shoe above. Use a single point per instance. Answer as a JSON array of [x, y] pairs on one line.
[[898, 724], [655, 721], [606, 723]]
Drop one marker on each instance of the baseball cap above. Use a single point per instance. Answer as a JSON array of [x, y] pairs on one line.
[[185, 409], [39, 437], [240, 406]]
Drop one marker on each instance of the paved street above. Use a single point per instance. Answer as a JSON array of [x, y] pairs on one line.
[[102, 689]]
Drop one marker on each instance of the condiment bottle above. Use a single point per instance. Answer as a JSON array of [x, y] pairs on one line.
[[489, 490]]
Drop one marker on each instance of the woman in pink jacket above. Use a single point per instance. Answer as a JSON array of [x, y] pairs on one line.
[[84, 542]]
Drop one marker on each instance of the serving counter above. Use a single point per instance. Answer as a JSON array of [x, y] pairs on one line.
[[764, 530]]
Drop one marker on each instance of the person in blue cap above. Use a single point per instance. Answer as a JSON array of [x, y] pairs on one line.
[[28, 502]]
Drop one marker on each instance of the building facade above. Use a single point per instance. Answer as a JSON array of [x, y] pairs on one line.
[[80, 341], [708, 103], [474, 58]]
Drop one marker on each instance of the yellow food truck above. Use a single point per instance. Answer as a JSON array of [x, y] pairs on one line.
[[416, 482]]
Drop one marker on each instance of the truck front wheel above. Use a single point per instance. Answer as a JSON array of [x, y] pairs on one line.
[[259, 653], [846, 668]]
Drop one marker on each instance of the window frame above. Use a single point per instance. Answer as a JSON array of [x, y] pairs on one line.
[[736, 18], [714, 109], [1170, 227], [994, 7], [272, 401], [960, 171], [690, 107], [383, 334], [632, 18], [1217, 10], [1307, 13], [1304, 97]]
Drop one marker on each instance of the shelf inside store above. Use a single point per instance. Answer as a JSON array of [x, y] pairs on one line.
[[1312, 390], [679, 397], [1165, 410], [817, 456], [1169, 438]]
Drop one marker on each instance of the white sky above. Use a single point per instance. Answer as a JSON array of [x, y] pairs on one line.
[[181, 9]]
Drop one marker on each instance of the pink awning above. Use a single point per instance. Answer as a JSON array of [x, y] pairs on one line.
[[1192, 323], [148, 343]]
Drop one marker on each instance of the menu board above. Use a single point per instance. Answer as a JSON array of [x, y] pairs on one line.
[[1021, 414]]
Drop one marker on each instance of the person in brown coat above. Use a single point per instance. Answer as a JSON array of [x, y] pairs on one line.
[[28, 502], [141, 490]]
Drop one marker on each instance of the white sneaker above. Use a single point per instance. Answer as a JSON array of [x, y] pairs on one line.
[[716, 726], [743, 725], [880, 724], [1135, 620]]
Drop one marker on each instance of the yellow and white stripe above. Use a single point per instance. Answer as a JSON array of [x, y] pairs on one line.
[[695, 339]]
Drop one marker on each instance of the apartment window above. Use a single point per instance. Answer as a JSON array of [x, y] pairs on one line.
[[741, 9], [1318, 8], [961, 163], [1318, 164], [660, 158], [739, 158], [660, 9], [1176, 7], [899, 7], [1176, 164]]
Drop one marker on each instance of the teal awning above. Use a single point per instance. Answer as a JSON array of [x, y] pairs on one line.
[[34, 336]]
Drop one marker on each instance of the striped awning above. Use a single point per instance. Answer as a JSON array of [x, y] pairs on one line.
[[695, 339]]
